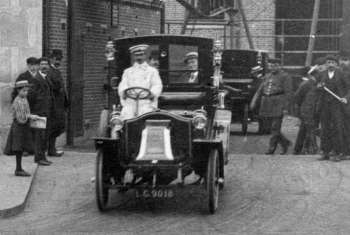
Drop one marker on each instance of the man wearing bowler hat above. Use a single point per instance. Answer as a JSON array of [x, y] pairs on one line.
[[59, 105], [40, 101], [140, 74], [333, 144], [276, 93]]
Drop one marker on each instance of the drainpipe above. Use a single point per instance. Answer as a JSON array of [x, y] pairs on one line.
[[70, 125], [162, 17]]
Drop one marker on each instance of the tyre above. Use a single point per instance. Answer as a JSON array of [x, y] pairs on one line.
[[212, 181], [245, 119], [101, 187], [103, 130]]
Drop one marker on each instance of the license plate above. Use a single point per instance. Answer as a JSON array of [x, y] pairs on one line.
[[155, 193]]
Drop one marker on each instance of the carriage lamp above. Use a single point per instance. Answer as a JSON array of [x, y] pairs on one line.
[[199, 119], [217, 51], [116, 122], [109, 51]]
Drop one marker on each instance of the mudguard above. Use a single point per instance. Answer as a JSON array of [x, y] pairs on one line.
[[103, 142]]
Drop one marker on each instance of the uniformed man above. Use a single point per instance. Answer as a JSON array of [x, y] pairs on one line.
[[140, 74], [191, 61], [276, 93]]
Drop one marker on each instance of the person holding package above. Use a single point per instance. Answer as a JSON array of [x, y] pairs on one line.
[[20, 136], [276, 92]]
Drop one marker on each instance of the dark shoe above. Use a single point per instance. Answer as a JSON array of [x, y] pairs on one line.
[[48, 161], [285, 147], [57, 154], [336, 158], [324, 157], [270, 151], [43, 163], [21, 173]]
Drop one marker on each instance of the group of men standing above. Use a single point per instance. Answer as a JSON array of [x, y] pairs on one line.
[[47, 97], [321, 103]]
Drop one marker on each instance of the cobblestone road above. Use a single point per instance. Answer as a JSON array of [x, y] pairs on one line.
[[263, 195]]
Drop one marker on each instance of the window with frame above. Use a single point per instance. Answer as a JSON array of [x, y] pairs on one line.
[[209, 6]]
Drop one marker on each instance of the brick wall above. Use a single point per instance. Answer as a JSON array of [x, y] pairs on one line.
[[91, 30], [132, 19], [94, 21], [260, 15], [56, 34]]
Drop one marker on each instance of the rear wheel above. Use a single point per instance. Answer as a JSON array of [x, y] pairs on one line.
[[101, 187], [213, 181]]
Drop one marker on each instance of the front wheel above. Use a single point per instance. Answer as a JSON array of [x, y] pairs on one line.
[[101, 187], [245, 119], [213, 181]]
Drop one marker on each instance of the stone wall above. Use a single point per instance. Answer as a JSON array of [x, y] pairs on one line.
[[20, 38]]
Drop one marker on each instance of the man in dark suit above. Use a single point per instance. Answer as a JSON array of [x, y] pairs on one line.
[[331, 110], [60, 103], [191, 75], [276, 93], [40, 102]]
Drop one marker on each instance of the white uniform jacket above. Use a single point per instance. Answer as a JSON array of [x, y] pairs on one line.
[[139, 75]]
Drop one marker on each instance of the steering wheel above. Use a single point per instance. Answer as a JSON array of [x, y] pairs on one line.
[[138, 93]]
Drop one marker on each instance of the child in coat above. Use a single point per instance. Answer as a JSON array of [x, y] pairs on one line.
[[20, 136]]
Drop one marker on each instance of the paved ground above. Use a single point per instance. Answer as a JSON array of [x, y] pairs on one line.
[[14, 190], [263, 195]]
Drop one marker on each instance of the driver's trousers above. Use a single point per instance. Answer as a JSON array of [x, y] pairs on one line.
[[131, 109]]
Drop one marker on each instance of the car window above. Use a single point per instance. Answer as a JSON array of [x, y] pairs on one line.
[[183, 69]]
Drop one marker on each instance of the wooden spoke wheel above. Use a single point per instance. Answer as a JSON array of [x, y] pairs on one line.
[[101, 183], [213, 181]]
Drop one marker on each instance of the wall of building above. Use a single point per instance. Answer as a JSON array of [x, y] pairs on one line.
[[260, 16], [20, 38], [130, 19]]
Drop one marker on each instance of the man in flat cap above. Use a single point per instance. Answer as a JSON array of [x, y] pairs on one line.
[[191, 75], [140, 74], [59, 105], [333, 143], [276, 93]]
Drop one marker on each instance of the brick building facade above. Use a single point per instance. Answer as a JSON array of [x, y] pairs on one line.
[[260, 16], [89, 24], [93, 23]]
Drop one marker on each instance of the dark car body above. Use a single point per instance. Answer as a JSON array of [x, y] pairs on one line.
[[237, 72], [167, 144]]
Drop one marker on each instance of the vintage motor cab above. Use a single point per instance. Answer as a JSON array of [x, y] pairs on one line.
[[188, 133]]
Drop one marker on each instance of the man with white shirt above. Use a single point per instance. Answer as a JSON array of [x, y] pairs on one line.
[[331, 113], [140, 74]]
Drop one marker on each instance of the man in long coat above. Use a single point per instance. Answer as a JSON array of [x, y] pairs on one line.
[[40, 101], [60, 103], [276, 92], [331, 109]]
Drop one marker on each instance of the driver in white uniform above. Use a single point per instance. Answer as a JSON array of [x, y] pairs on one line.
[[140, 74]]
